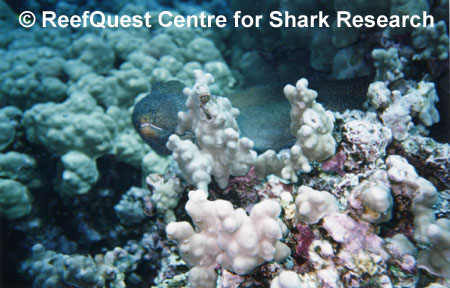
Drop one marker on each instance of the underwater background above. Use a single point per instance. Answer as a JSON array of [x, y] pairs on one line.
[[335, 171]]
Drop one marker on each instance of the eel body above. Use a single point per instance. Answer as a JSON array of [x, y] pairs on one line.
[[264, 111]]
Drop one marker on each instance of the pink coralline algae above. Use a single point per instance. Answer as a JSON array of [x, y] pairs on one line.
[[242, 189], [355, 236], [273, 188], [335, 164], [304, 239], [148, 206], [243, 183]]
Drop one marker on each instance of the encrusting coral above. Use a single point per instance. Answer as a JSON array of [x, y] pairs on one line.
[[312, 205], [372, 198], [286, 279]]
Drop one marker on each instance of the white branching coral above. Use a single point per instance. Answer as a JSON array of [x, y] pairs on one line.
[[436, 259], [388, 64], [422, 100], [218, 150], [398, 110], [231, 238], [77, 173], [433, 41], [401, 251], [312, 125], [427, 230], [194, 166], [405, 181], [166, 194], [379, 95]]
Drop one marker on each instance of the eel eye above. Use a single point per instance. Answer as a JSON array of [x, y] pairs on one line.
[[144, 119]]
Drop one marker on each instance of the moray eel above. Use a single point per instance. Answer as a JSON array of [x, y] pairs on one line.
[[264, 116], [155, 116]]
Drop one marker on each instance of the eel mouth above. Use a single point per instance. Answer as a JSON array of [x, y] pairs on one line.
[[148, 129], [152, 126]]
